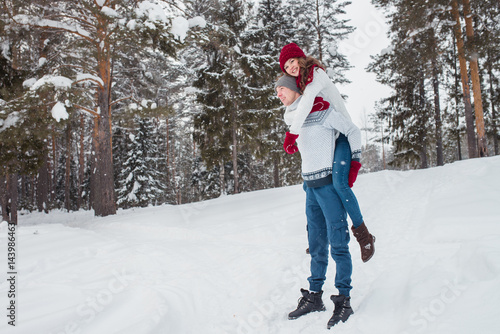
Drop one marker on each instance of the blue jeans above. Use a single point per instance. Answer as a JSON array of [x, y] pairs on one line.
[[327, 226], [341, 166]]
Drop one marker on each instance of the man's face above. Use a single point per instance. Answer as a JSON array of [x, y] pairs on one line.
[[286, 95]]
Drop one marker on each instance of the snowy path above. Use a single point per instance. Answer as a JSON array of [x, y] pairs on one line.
[[236, 264]]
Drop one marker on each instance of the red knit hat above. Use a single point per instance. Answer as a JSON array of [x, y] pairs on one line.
[[290, 51]]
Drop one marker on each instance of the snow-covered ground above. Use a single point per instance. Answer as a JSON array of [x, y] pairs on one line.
[[235, 264]]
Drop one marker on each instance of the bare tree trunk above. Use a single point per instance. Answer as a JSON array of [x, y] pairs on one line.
[[12, 198], [53, 168], [93, 158], [32, 187], [67, 174], [457, 114], [221, 178], [423, 131], [3, 198], [437, 110], [23, 195], [476, 82], [81, 163], [104, 200], [42, 186], [469, 117], [383, 146], [104, 205], [493, 111], [276, 172], [235, 153]]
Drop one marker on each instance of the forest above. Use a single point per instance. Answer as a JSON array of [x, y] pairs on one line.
[[108, 104]]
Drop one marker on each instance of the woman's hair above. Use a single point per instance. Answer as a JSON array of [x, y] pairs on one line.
[[306, 65]]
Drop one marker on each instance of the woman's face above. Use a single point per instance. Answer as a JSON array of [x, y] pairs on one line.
[[292, 67]]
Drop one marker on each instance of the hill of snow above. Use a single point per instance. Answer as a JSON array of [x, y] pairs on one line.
[[235, 264]]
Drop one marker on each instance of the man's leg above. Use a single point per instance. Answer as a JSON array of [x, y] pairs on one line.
[[317, 236], [338, 236], [318, 240]]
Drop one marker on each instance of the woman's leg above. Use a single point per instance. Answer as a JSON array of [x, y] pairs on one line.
[[341, 166]]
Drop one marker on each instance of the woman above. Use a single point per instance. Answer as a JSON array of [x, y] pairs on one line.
[[313, 81]]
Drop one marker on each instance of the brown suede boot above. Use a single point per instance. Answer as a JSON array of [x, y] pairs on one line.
[[366, 241]]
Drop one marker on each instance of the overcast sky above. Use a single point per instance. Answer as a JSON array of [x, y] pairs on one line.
[[369, 38]]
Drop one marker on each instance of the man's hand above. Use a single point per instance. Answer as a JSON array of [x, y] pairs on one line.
[[353, 172], [289, 144]]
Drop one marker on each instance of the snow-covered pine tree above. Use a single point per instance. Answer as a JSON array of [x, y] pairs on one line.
[[218, 125], [407, 109], [139, 179], [427, 25], [438, 29], [102, 32], [23, 123], [266, 34], [420, 35]]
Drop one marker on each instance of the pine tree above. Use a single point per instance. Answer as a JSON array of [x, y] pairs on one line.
[[218, 125], [426, 27], [267, 33], [103, 37], [139, 180], [319, 28], [23, 124], [407, 108]]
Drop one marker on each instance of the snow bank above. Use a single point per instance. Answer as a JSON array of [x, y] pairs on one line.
[[236, 264]]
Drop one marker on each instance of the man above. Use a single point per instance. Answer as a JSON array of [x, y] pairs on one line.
[[326, 216]]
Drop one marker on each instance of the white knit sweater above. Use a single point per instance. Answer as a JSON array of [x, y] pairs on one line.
[[316, 141], [321, 85]]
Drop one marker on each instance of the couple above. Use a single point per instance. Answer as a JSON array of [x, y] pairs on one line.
[[330, 148]]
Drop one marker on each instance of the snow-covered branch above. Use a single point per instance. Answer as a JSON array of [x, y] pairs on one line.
[[120, 100], [90, 111]]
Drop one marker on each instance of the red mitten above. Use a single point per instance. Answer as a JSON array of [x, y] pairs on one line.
[[353, 172], [320, 104], [289, 144]]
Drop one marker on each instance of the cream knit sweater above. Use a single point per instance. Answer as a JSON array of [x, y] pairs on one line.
[[316, 141], [321, 85]]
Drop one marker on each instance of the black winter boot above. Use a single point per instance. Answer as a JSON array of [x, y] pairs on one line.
[[342, 310], [309, 302], [366, 241]]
